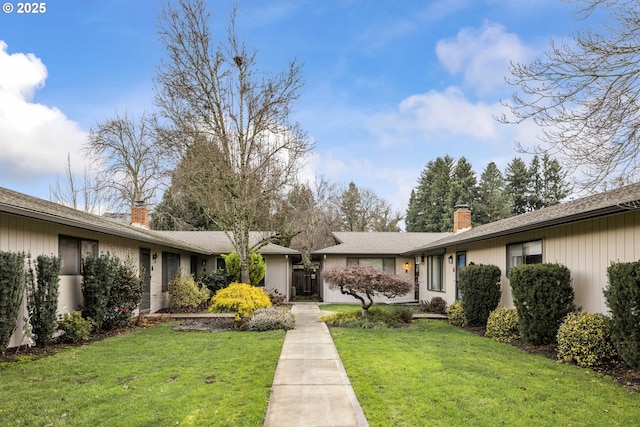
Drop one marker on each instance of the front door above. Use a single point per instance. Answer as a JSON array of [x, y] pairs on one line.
[[145, 271], [461, 261]]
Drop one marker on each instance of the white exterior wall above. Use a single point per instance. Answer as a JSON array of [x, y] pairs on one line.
[[278, 274], [36, 237], [587, 248], [334, 295]]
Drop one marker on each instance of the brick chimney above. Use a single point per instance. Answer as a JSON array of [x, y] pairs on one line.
[[140, 215], [461, 219]]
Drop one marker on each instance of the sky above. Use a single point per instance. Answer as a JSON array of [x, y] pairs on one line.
[[390, 84]]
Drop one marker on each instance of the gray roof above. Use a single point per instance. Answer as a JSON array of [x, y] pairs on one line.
[[377, 243], [602, 204], [31, 207], [218, 242]]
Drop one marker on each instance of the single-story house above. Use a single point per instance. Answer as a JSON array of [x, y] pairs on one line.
[[279, 259], [586, 235], [36, 226], [384, 250]]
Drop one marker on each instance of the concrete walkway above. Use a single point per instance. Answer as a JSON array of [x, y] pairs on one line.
[[311, 387]]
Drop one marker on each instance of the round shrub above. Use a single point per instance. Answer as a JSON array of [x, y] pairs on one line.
[[585, 339], [503, 325], [74, 327], [239, 298], [269, 319], [480, 288], [438, 305], [184, 293], [543, 296], [456, 314]]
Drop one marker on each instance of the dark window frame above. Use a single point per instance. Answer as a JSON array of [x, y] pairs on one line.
[[525, 258], [170, 268], [435, 277], [80, 247]]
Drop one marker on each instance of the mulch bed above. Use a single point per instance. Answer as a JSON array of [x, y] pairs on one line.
[[624, 375]]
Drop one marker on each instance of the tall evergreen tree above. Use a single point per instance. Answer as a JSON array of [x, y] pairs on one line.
[[554, 186], [517, 185], [493, 202], [464, 186], [536, 185], [430, 208], [350, 212]]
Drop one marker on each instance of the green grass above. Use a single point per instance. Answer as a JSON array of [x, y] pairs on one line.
[[148, 377], [340, 307], [438, 375]]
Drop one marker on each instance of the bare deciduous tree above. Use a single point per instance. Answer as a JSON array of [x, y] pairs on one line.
[[215, 96], [363, 210], [585, 94], [129, 163], [78, 195]]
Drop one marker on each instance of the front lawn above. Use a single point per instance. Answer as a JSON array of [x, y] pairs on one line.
[[439, 375], [147, 377]]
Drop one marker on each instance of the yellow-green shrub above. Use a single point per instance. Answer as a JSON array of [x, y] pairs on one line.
[[241, 299], [585, 339], [456, 314], [503, 325], [184, 293]]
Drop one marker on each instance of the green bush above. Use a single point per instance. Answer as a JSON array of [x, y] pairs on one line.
[[257, 267], [12, 280], [213, 280], [269, 319], [503, 325], [124, 297], [456, 314], [378, 317], [543, 296], [623, 299], [42, 297], [184, 293], [240, 298], [98, 274], [74, 327], [585, 339], [437, 305], [480, 288]]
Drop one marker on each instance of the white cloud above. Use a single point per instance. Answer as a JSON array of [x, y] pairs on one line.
[[482, 56], [34, 138]]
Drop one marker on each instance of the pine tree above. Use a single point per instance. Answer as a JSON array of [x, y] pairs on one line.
[[517, 185], [536, 184], [430, 208], [464, 186], [350, 212], [554, 186], [493, 202]]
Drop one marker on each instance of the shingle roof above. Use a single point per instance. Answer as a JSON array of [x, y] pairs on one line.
[[607, 203], [31, 207], [377, 243], [218, 242]]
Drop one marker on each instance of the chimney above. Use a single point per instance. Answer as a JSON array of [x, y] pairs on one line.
[[140, 214], [461, 219]]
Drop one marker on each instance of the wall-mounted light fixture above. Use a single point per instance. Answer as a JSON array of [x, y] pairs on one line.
[[406, 267], [204, 262], [154, 256], [450, 259]]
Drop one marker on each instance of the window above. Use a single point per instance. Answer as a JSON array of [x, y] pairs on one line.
[[384, 264], [73, 251], [170, 268], [524, 253], [435, 279]]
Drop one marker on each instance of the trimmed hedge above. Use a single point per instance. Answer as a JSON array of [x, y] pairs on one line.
[[503, 325], [42, 297], [12, 280], [480, 288], [543, 296], [623, 299]]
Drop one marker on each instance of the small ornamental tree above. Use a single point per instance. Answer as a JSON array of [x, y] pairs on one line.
[[623, 299], [12, 281], [257, 267], [543, 296], [364, 282], [42, 297], [480, 288]]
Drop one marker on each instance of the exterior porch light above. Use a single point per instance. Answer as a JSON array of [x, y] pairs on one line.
[[450, 259], [406, 267]]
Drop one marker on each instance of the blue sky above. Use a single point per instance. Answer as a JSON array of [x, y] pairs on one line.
[[390, 84]]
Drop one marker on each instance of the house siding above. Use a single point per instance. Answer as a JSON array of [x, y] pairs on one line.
[[587, 248], [278, 274]]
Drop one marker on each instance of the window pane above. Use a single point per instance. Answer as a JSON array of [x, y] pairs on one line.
[[352, 261], [389, 265], [68, 250], [434, 264]]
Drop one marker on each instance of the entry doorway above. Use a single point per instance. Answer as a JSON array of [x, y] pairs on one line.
[[461, 261], [145, 272]]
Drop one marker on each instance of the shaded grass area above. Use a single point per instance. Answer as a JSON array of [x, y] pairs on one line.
[[147, 377], [439, 375]]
